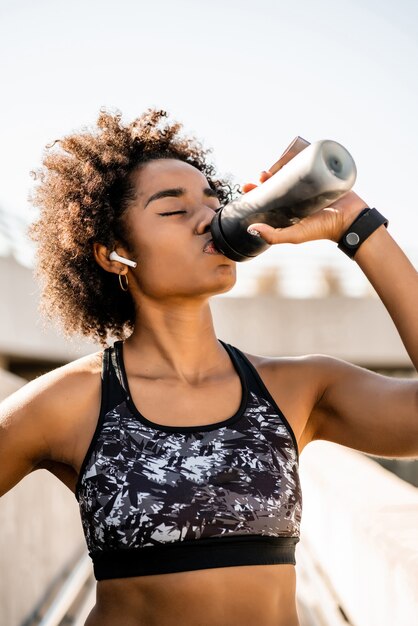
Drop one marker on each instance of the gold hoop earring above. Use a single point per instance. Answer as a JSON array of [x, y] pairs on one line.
[[124, 288]]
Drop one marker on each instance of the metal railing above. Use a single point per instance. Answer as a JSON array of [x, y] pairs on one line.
[[68, 594]]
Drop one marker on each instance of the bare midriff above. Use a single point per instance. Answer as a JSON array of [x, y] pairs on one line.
[[246, 595]]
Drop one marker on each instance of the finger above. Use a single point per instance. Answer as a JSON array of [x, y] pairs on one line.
[[247, 187], [265, 175], [291, 234], [268, 233]]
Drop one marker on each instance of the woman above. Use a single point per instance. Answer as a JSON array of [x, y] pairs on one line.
[[182, 450]]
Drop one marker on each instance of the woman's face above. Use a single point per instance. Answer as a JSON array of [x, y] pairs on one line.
[[168, 227]]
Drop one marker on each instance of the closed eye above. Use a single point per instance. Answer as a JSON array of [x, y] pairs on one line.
[[172, 213], [176, 212]]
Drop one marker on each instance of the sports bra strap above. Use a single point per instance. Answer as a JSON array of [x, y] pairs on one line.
[[112, 379], [254, 381]]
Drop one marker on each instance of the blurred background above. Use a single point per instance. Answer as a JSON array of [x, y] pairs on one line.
[[245, 78]]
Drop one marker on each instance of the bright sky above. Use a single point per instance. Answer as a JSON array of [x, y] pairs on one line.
[[246, 77]]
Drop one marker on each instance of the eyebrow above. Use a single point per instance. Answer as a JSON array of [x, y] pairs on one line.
[[177, 192]]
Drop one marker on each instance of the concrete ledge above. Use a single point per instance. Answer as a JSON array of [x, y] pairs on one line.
[[23, 332], [9, 383], [359, 330], [360, 525]]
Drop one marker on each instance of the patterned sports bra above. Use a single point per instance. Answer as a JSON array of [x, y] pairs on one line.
[[158, 499]]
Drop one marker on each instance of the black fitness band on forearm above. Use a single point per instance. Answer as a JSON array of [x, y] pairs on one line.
[[363, 226]]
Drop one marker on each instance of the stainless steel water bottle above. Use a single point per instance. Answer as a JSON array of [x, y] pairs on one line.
[[306, 178]]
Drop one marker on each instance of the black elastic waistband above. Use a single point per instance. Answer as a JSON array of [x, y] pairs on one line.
[[193, 555]]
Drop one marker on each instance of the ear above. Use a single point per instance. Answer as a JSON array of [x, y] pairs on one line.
[[101, 255]]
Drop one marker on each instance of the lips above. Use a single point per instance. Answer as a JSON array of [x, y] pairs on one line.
[[210, 247]]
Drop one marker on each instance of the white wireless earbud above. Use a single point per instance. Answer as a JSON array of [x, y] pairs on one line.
[[114, 256]]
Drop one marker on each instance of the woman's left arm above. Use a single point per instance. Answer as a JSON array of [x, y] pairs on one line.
[[396, 282], [356, 407]]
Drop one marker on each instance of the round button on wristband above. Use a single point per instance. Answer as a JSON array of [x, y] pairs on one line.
[[363, 226]]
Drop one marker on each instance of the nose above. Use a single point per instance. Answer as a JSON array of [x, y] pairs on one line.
[[205, 217]]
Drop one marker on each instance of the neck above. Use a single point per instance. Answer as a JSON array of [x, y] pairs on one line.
[[176, 341]]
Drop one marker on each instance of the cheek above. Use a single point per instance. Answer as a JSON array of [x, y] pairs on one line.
[[164, 262], [169, 246]]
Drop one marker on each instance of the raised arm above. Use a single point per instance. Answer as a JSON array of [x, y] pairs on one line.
[[358, 408], [396, 282]]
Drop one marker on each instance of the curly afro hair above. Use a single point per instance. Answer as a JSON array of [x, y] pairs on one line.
[[83, 191]]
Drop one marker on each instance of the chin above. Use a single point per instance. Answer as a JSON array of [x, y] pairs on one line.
[[227, 285]]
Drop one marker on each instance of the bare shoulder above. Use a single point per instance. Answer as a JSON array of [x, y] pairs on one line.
[[71, 395], [77, 374], [305, 372]]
